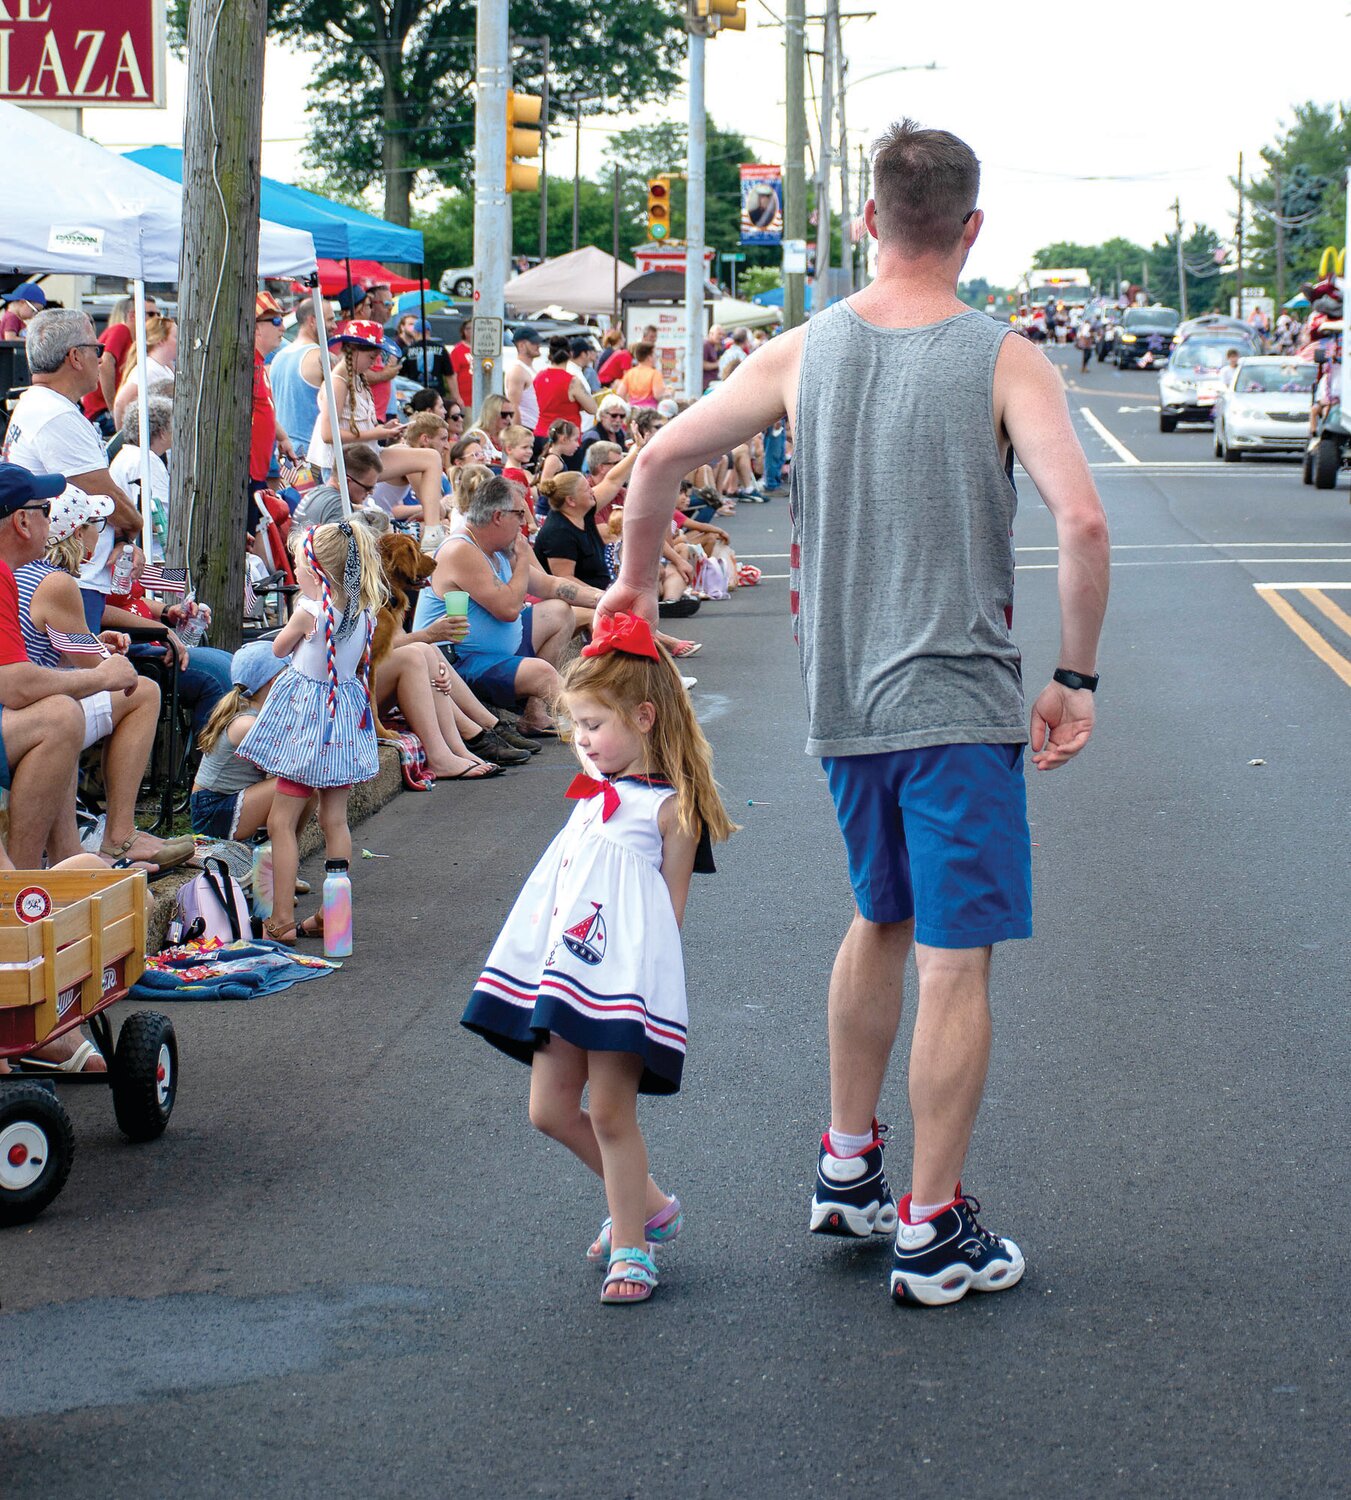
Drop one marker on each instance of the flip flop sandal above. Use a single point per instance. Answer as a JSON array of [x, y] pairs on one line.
[[468, 774], [660, 1229], [687, 648], [312, 926], [642, 1273]]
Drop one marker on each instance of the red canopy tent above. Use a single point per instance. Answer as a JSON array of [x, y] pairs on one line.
[[333, 276]]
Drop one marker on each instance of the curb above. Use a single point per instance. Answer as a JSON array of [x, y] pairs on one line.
[[367, 799]]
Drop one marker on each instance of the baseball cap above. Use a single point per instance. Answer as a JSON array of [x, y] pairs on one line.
[[265, 305], [254, 666], [19, 486], [667, 408], [73, 509], [351, 296], [28, 291], [529, 334]]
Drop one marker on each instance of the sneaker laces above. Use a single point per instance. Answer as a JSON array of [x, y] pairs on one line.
[[972, 1206]]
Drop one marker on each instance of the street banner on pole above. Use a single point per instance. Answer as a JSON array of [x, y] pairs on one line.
[[107, 53], [761, 204]]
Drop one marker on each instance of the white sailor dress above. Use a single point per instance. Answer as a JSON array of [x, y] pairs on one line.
[[591, 951], [295, 735]]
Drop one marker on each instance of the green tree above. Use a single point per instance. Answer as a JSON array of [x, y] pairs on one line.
[[1105, 263], [391, 97], [756, 279]]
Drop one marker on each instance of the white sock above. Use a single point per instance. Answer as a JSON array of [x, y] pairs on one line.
[[919, 1211], [848, 1145]]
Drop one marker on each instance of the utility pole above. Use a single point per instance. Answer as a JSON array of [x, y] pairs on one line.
[[1181, 264], [825, 156], [1280, 237], [577, 174], [492, 206], [544, 157], [794, 167], [614, 245], [861, 253], [1239, 278], [841, 70], [218, 279], [695, 154]]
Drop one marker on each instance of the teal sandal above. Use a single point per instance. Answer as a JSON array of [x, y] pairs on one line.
[[660, 1229], [641, 1272]]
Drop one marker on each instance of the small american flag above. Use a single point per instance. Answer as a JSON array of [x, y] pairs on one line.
[[80, 643], [252, 609], [165, 580]]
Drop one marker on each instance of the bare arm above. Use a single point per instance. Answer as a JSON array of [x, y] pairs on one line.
[[22, 683], [1033, 415], [714, 425], [616, 479], [125, 516], [677, 857], [465, 567], [571, 590], [108, 378], [580, 392], [516, 380]]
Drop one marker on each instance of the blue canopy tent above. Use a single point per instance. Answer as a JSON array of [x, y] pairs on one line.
[[339, 232], [774, 297]]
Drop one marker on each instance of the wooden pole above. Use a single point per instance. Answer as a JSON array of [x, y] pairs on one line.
[[1280, 239], [1239, 287], [213, 380]]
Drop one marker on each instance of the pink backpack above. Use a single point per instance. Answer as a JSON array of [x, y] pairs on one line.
[[213, 905]]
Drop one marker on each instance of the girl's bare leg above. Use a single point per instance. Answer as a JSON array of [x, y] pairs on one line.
[[613, 1077], [283, 820]]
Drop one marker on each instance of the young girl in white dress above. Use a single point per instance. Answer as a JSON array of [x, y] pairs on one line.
[[586, 982], [316, 731]]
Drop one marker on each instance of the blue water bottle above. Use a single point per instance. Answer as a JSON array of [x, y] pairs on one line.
[[337, 909]]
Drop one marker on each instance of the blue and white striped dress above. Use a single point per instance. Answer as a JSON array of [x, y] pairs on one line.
[[287, 738]]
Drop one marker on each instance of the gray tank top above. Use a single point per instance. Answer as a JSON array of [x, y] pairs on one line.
[[902, 560], [222, 770]]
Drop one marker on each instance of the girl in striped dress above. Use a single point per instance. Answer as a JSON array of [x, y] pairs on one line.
[[316, 732], [586, 982]]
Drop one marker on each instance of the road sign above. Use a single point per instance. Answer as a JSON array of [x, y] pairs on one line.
[[795, 257], [486, 336], [733, 255], [1252, 293]]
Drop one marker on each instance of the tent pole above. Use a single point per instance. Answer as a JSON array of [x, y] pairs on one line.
[[422, 318], [347, 261], [143, 413], [335, 432]]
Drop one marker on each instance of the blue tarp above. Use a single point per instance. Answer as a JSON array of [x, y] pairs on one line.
[[772, 298], [339, 232]]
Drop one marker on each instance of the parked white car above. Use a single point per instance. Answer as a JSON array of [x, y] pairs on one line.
[[1265, 407]]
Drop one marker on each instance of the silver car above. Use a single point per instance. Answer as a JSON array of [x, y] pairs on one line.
[[1264, 408]]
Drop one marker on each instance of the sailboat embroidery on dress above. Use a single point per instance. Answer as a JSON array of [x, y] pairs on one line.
[[586, 940]]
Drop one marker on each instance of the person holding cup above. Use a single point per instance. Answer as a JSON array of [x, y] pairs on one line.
[[511, 650]]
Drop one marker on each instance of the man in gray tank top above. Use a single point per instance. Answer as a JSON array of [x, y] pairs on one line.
[[902, 589]]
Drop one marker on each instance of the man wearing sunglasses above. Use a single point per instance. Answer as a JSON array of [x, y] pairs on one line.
[[50, 434]]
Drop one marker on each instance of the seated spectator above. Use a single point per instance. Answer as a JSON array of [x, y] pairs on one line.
[[123, 723], [495, 415], [560, 443], [126, 466], [323, 504], [465, 481], [569, 544], [735, 353], [397, 499], [611, 415], [426, 401], [231, 797], [641, 384], [467, 450], [607, 473], [513, 648], [22, 305], [360, 344], [455, 418], [161, 351], [49, 434]]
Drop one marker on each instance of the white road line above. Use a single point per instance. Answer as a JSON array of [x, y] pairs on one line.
[[1201, 562], [1197, 546], [1115, 444], [1277, 587]]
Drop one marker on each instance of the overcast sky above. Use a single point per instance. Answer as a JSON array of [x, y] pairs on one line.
[[1087, 126]]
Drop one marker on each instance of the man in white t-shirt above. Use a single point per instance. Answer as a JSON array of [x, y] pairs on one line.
[[49, 434], [735, 352]]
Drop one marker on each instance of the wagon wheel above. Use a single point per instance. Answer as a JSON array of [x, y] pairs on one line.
[[37, 1147], [145, 1075]]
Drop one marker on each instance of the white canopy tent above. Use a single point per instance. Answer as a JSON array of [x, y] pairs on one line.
[[582, 282], [73, 206], [730, 313]]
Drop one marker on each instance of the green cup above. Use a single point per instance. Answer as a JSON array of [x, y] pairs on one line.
[[457, 603]]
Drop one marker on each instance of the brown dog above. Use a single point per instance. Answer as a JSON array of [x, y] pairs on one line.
[[405, 565]]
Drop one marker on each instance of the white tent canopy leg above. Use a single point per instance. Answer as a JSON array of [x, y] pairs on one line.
[[143, 413], [339, 464]]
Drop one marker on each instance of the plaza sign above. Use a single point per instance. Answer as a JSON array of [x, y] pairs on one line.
[[107, 53]]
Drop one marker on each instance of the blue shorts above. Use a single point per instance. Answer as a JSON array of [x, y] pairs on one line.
[[938, 834], [215, 814], [494, 677]]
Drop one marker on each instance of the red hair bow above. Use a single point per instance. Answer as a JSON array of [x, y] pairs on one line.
[[627, 633]]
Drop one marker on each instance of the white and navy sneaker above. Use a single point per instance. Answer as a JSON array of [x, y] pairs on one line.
[[852, 1198], [941, 1259]]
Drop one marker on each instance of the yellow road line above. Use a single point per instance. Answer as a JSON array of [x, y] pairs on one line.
[[1311, 638], [1325, 606]]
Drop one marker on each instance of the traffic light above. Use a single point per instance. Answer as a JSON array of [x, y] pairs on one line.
[[722, 15], [659, 208], [522, 109]]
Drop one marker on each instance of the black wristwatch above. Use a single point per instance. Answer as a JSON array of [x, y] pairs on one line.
[[1075, 680]]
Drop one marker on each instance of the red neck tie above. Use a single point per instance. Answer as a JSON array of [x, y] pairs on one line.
[[584, 787]]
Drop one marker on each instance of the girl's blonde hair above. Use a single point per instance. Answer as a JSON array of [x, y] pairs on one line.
[[68, 554], [330, 552], [675, 749], [353, 377], [157, 331], [234, 702], [465, 484], [569, 485]]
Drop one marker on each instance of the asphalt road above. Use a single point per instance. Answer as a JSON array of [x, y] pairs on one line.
[[350, 1268]]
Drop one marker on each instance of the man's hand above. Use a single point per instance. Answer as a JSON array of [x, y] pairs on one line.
[[1062, 720], [285, 447], [116, 674], [447, 628], [622, 599]]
